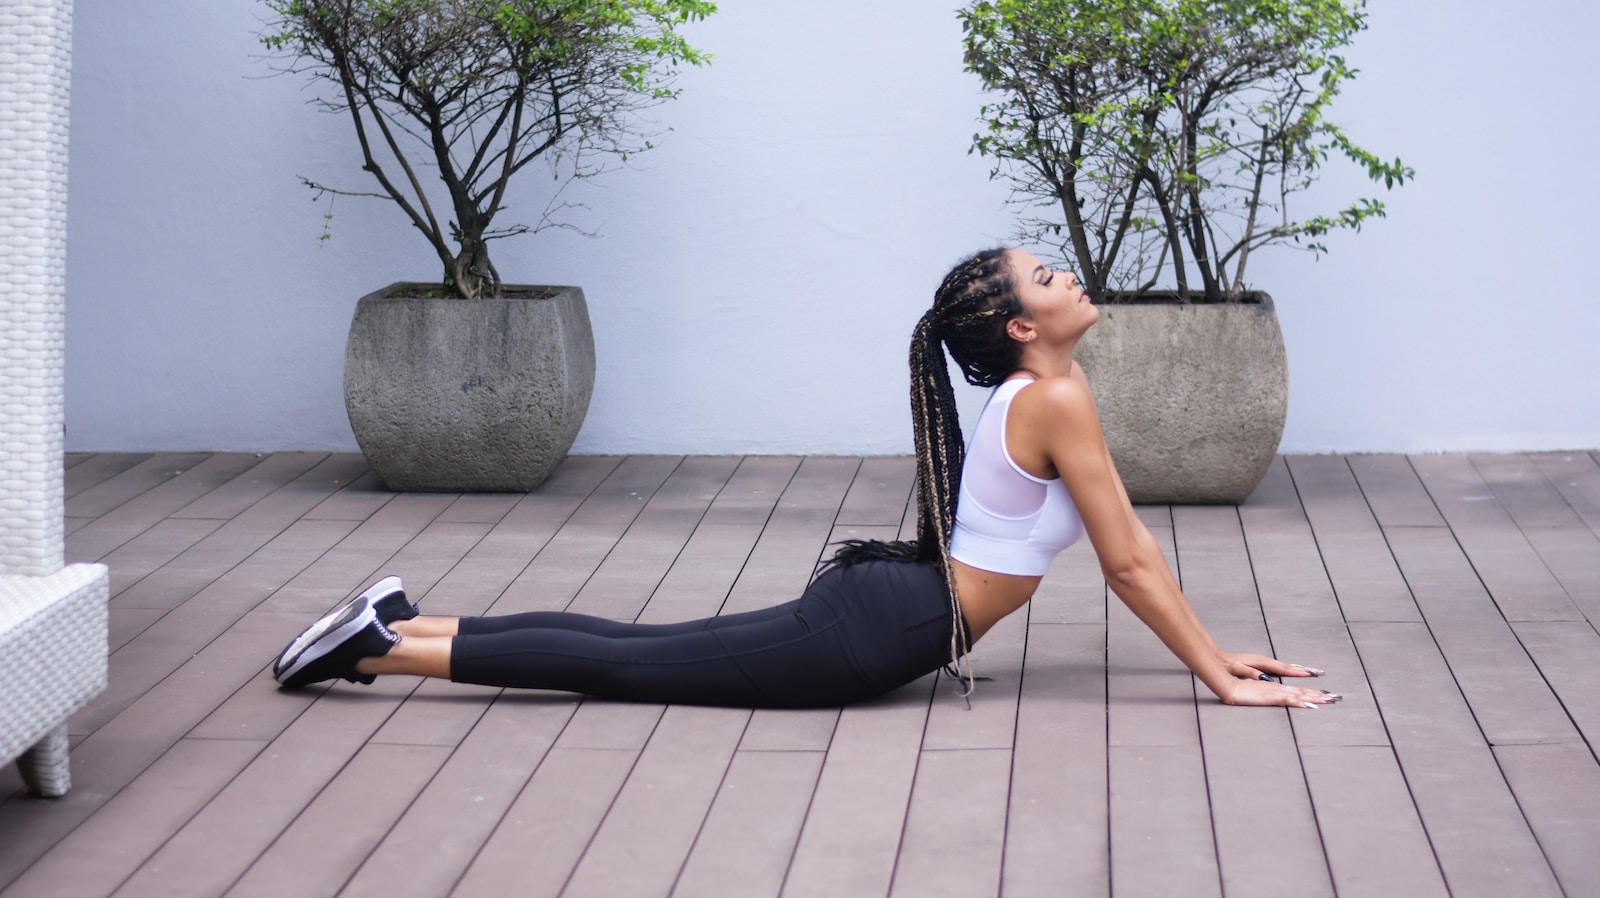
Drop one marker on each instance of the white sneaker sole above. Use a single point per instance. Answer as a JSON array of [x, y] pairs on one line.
[[338, 623]]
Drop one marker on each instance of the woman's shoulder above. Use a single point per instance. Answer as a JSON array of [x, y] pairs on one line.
[[1058, 393], [1048, 415]]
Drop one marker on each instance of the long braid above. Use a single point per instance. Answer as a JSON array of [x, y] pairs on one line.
[[968, 316], [940, 455]]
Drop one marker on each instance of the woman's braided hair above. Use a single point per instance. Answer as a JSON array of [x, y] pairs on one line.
[[968, 317]]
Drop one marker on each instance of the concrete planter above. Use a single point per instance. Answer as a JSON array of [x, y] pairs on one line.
[[468, 395], [1192, 396]]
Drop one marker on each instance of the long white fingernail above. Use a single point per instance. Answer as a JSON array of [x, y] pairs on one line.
[[1311, 706]]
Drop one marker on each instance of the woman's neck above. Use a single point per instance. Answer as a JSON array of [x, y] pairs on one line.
[[1040, 363]]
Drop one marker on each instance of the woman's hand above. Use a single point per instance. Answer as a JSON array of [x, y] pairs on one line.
[[1260, 692], [1252, 667]]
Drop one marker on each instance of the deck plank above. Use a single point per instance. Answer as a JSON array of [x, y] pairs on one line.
[[361, 556], [401, 537], [753, 491], [153, 549], [1460, 494], [856, 820], [1530, 487], [1576, 476], [317, 853], [460, 808], [1057, 837], [539, 841], [139, 513], [636, 564], [94, 859], [1254, 773], [1303, 615], [809, 729], [1150, 695], [1252, 768], [1213, 565], [238, 538], [1365, 579], [90, 469], [1375, 842], [1572, 554], [541, 838], [210, 853], [992, 721], [1478, 833], [271, 473], [168, 643], [1395, 495], [480, 508], [1510, 700], [703, 573], [1523, 490], [956, 825], [356, 499], [791, 543], [577, 549], [750, 834], [1160, 809], [501, 561], [701, 577], [1074, 591], [1451, 598], [1512, 572], [128, 484], [1567, 654], [879, 492], [1159, 805], [647, 834], [1558, 788]]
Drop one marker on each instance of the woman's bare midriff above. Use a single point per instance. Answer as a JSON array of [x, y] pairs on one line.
[[986, 596]]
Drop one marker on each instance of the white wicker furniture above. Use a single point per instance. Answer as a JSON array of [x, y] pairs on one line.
[[53, 642], [52, 618]]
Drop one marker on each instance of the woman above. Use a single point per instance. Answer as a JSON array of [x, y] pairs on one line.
[[1037, 477]]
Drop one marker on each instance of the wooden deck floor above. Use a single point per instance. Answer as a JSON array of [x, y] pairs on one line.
[[1452, 600]]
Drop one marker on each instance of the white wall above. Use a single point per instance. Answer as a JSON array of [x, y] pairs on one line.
[[759, 272], [1467, 319]]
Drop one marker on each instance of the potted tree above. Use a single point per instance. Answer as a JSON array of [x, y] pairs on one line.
[[1165, 138], [472, 383]]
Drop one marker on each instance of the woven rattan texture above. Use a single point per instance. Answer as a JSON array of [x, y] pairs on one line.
[[47, 768], [35, 67], [52, 650]]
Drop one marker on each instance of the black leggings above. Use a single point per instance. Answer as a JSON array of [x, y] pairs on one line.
[[856, 632]]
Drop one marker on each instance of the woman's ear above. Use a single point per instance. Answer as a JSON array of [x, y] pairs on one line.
[[1020, 330]]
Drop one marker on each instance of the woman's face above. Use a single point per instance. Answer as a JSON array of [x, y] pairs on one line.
[[1054, 306]]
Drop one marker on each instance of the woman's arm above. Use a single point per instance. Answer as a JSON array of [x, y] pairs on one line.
[[1248, 665], [1054, 421]]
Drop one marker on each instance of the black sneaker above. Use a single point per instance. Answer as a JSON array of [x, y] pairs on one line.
[[342, 642], [389, 600], [385, 597]]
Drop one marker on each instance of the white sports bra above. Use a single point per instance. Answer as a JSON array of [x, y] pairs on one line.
[[1007, 520]]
